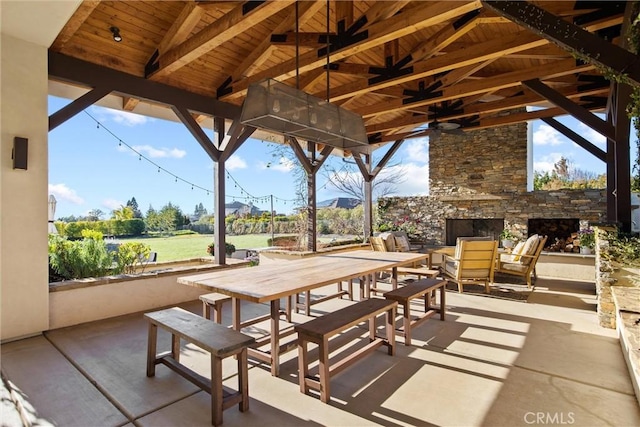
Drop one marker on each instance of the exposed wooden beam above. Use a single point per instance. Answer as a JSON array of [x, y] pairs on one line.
[[196, 130], [501, 81], [72, 70], [445, 36], [570, 37], [74, 23], [306, 10], [578, 139], [220, 31], [181, 28], [594, 122], [128, 103], [70, 110], [395, 27], [382, 10], [438, 64]]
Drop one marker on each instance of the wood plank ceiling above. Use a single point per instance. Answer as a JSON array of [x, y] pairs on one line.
[[400, 64]]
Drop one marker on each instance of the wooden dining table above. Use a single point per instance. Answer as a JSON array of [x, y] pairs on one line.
[[273, 281]]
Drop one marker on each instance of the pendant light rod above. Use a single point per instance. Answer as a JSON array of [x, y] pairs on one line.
[[328, 48], [297, 48]]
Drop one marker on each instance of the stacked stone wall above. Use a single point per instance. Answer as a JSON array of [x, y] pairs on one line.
[[483, 175]]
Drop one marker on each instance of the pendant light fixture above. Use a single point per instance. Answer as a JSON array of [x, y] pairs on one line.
[[276, 107]]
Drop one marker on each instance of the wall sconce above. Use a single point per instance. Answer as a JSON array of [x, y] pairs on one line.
[[20, 152], [116, 34]]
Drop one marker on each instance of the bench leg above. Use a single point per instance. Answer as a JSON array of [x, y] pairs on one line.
[[406, 321], [391, 330], [303, 365], [216, 391], [175, 347], [442, 303], [206, 310], [218, 308], [243, 380], [151, 350], [275, 336], [325, 392], [307, 303]]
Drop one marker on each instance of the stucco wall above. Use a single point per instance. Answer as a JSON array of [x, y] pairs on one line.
[[23, 193]]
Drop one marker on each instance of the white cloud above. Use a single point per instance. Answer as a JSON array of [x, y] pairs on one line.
[[418, 150], [156, 153], [591, 135], [62, 192], [112, 204], [546, 135], [547, 162], [235, 162], [416, 181], [124, 117]]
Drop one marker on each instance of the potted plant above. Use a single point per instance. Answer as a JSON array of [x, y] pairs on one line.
[[587, 239], [507, 238], [229, 249]]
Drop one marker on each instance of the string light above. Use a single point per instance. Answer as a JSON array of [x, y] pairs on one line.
[[245, 195]]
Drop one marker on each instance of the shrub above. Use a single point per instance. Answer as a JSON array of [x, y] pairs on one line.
[[90, 257], [130, 256], [79, 259], [229, 248]]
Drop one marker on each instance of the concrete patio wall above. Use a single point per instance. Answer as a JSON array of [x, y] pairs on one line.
[[85, 300], [23, 193]]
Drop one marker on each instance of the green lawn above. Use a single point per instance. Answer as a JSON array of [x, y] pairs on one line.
[[195, 245]]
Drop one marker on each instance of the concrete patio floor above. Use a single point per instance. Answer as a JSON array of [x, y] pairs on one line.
[[493, 362]]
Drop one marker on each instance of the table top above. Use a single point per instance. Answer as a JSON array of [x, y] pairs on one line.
[[272, 281]]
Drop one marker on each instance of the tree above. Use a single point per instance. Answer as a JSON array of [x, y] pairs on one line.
[[199, 211], [125, 212], [133, 204], [564, 175], [95, 215], [349, 180]]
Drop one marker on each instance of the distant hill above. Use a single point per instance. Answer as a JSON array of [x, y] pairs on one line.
[[339, 202]]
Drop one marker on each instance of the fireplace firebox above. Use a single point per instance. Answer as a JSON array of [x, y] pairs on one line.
[[556, 229], [477, 227]]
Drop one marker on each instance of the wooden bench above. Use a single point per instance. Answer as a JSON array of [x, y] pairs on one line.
[[418, 271], [213, 301], [320, 330], [218, 340], [420, 288]]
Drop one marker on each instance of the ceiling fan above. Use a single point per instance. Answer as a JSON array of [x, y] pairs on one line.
[[438, 128]]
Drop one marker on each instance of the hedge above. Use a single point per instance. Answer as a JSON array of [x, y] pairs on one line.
[[111, 227]]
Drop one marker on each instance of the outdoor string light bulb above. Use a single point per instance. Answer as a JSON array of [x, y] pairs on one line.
[[116, 34]]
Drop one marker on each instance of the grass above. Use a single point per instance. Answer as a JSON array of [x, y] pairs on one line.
[[195, 245]]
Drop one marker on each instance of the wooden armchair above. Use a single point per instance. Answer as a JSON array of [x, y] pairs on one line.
[[523, 262], [473, 263]]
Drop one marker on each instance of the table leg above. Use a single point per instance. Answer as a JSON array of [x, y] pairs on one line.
[[235, 313], [275, 337], [394, 278]]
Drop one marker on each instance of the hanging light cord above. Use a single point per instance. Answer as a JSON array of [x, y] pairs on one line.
[[328, 48], [178, 178]]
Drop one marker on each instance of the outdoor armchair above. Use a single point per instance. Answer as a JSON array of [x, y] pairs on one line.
[[522, 261], [473, 263]]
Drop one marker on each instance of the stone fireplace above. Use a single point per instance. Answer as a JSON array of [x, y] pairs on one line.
[[472, 227], [478, 186]]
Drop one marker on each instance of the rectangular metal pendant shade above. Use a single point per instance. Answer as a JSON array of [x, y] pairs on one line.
[[276, 107]]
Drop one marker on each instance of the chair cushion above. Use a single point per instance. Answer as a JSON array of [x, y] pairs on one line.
[[529, 248], [402, 243], [514, 256], [515, 267], [451, 267], [389, 241]]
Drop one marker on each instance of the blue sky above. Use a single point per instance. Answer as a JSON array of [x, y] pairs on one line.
[[89, 169]]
